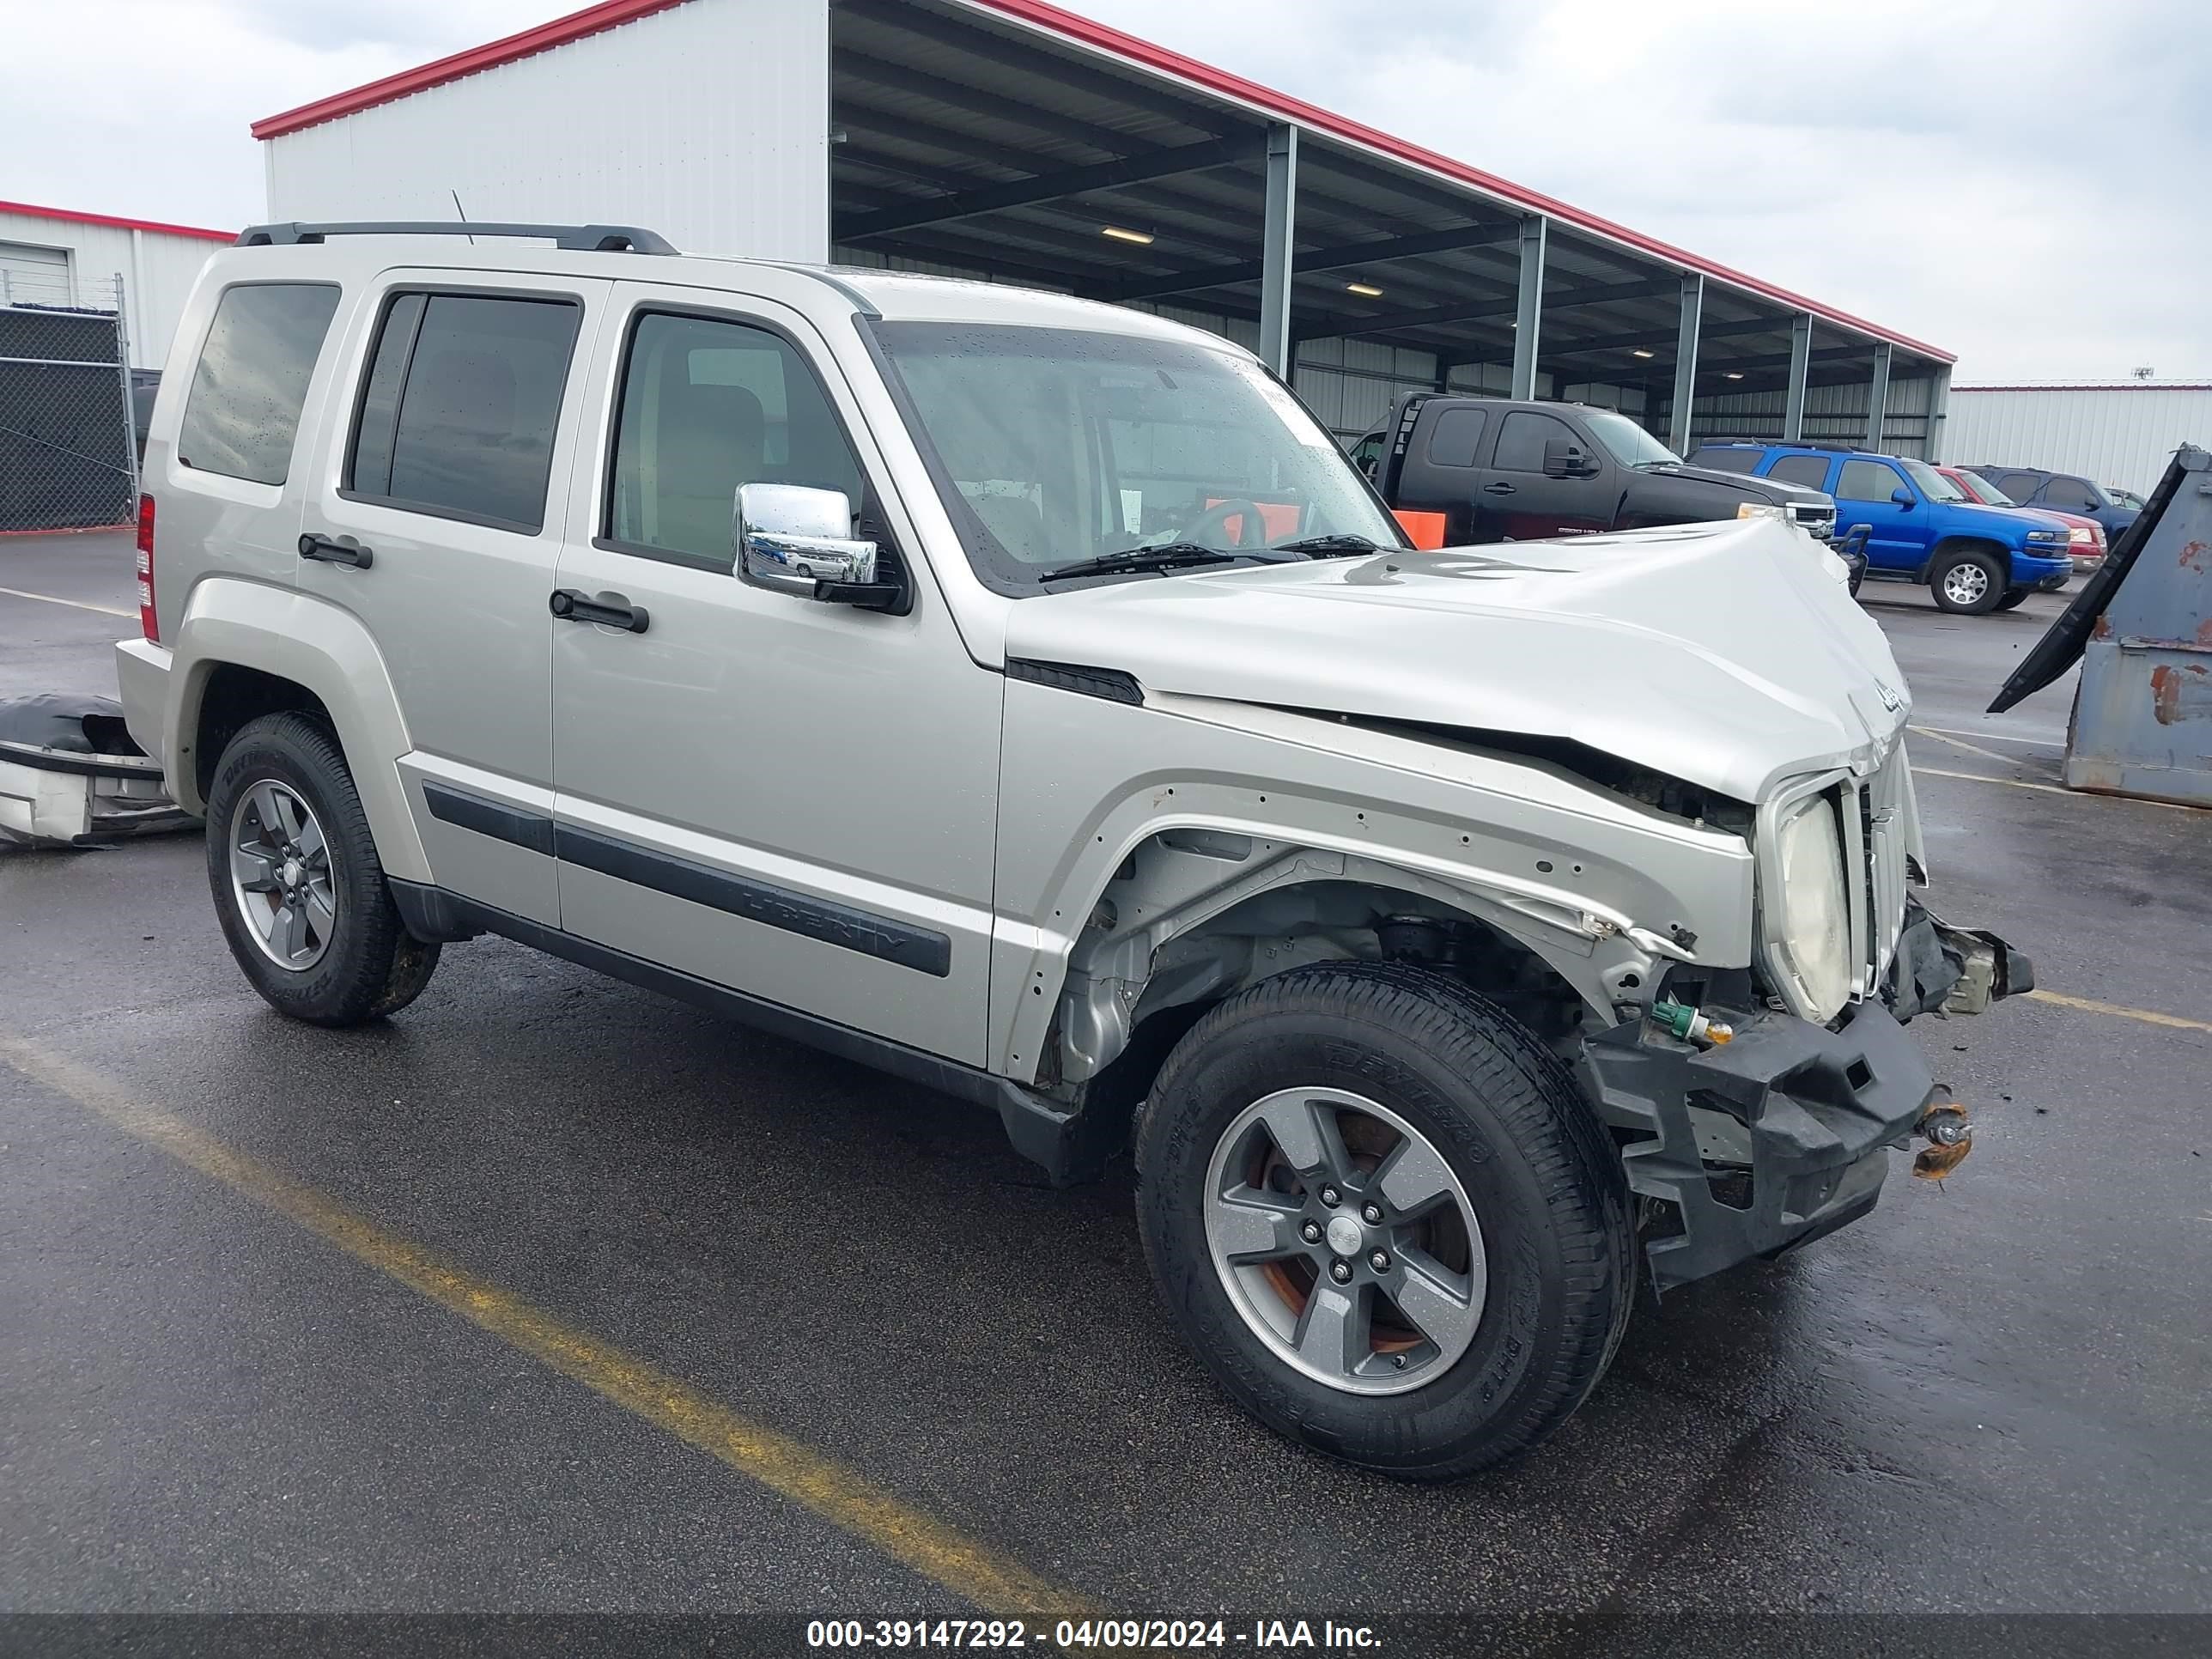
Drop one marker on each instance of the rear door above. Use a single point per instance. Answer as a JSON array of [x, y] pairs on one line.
[[1899, 535], [448, 464], [1517, 502]]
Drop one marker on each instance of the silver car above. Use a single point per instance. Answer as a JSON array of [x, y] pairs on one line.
[[1028, 697]]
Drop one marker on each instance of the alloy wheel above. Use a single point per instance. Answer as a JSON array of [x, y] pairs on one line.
[[280, 876], [1344, 1240], [1966, 584]]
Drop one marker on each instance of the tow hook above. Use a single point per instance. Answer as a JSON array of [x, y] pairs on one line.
[[1950, 1136]]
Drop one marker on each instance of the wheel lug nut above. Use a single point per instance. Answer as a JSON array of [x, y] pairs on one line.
[[1341, 1271], [1372, 1215], [1310, 1232], [1331, 1197], [1379, 1260]]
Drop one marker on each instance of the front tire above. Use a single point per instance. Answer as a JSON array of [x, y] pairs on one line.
[[1969, 583], [1490, 1276], [298, 887]]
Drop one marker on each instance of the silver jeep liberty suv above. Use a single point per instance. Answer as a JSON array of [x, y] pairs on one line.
[[1028, 697]]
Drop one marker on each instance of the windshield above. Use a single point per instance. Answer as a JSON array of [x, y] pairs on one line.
[[2123, 497], [1933, 484], [1064, 445], [1627, 442], [1982, 491]]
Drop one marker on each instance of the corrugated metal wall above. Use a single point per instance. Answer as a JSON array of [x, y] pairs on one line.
[[158, 271], [1833, 414], [2115, 434], [709, 123]]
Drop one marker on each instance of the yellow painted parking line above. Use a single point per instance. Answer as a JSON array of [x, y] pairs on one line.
[[962, 1564], [1960, 743], [2148, 1016], [2053, 789], [74, 604]]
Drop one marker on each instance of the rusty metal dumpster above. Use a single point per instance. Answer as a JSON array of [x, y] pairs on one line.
[[2142, 629]]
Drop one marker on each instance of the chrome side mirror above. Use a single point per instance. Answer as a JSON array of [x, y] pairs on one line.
[[790, 537]]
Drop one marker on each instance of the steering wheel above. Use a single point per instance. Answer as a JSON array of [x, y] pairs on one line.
[[1251, 531]]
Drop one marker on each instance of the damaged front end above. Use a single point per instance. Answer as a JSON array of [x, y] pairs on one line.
[[1750, 1132]]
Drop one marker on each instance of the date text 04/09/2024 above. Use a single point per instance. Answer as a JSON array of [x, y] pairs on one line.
[[1113, 1634]]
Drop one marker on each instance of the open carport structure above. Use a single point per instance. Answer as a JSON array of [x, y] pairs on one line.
[[1011, 140]]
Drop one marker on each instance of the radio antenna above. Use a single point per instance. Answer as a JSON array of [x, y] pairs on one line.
[[461, 211]]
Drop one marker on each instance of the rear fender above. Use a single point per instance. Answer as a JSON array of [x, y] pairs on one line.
[[312, 643]]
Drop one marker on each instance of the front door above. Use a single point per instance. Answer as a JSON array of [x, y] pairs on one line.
[[450, 469], [1899, 535], [792, 798], [1517, 503]]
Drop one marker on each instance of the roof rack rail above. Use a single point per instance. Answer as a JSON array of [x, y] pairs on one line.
[[576, 239]]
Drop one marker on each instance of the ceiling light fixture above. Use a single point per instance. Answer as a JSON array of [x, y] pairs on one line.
[[1142, 237], [1368, 289], [1639, 353]]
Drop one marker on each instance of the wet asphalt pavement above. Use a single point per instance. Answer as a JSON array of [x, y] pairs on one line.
[[1991, 1395]]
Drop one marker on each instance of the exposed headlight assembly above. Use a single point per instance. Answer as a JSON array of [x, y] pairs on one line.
[[1809, 921]]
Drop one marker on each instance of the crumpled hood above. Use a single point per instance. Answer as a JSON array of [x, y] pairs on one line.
[[1725, 654]]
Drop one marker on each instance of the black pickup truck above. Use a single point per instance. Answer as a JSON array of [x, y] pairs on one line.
[[1500, 470]]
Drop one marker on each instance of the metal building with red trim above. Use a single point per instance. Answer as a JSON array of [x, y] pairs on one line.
[[1014, 141]]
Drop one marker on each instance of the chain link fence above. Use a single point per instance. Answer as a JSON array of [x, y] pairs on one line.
[[69, 455]]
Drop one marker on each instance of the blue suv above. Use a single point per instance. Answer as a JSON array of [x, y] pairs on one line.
[[1921, 527]]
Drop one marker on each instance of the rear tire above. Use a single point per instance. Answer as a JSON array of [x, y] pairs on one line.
[[1969, 583], [298, 887], [1419, 1074]]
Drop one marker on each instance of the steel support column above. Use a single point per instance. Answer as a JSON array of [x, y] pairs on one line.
[[1801, 364], [1275, 248], [1528, 315], [1685, 362], [1878, 397], [1939, 411]]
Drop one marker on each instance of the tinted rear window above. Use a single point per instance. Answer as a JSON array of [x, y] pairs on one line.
[[1457, 434], [1726, 457], [459, 407], [1811, 471], [242, 414]]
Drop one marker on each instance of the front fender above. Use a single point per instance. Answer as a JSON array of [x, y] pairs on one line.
[[312, 643], [1587, 881]]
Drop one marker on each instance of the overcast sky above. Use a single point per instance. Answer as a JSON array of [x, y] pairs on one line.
[[2023, 183]]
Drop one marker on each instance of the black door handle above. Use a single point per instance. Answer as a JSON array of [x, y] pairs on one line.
[[1497, 489], [344, 550], [610, 609]]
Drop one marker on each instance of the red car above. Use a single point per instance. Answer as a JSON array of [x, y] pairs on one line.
[[2085, 538]]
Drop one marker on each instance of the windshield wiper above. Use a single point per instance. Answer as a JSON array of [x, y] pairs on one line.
[[1168, 556], [1333, 542]]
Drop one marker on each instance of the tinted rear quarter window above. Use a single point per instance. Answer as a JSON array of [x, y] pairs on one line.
[[2019, 485], [459, 406], [1725, 458], [1456, 436], [1867, 480], [2068, 495], [242, 414], [1811, 471]]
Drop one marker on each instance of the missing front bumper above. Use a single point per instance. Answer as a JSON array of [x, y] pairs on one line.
[[1774, 1139]]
